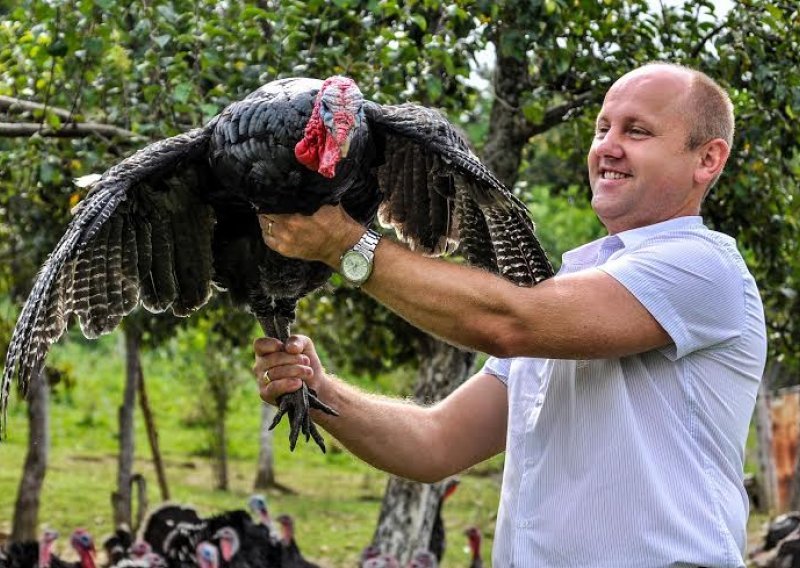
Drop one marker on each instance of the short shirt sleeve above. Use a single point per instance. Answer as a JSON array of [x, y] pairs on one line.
[[692, 285], [500, 368]]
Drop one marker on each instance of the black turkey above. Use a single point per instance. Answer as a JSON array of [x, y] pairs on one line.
[[29, 553], [242, 542], [117, 545], [162, 521], [291, 557], [178, 219], [438, 540]]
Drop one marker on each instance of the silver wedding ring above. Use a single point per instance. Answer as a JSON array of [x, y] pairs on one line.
[[265, 376]]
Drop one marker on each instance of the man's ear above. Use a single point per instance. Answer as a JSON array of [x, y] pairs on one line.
[[712, 157]]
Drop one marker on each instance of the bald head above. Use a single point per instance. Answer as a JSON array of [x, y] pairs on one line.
[[705, 105]]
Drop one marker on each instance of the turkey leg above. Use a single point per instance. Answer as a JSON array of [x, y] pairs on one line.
[[295, 405]]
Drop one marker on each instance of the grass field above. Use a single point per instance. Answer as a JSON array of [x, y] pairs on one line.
[[337, 497]]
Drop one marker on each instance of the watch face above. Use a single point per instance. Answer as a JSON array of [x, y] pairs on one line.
[[355, 266]]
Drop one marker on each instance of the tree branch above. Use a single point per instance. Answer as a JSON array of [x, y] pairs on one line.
[[699, 47], [14, 105], [556, 115], [73, 130]]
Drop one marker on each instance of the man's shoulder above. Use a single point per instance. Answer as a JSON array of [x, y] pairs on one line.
[[684, 238]]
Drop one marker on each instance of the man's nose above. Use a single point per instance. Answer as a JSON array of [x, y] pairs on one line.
[[608, 144]]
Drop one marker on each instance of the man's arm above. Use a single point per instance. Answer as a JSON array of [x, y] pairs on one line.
[[584, 315], [421, 443]]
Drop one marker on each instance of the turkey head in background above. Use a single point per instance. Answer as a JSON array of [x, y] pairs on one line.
[[177, 221]]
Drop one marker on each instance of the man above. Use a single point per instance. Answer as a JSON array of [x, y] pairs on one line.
[[626, 383]]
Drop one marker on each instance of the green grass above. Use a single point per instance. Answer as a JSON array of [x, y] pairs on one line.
[[337, 498]]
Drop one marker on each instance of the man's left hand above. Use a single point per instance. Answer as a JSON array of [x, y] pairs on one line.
[[323, 236]]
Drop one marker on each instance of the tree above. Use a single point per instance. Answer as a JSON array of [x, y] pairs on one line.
[[157, 68]]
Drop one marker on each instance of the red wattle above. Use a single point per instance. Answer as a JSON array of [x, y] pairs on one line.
[[307, 154], [329, 158]]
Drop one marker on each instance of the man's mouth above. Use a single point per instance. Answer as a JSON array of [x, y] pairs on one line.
[[610, 174]]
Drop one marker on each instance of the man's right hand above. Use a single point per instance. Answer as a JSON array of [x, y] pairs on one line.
[[280, 368]]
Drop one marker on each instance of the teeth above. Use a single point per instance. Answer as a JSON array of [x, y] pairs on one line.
[[613, 175]]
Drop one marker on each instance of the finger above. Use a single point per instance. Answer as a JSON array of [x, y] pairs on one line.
[[266, 345], [276, 360], [270, 392], [288, 372], [300, 344]]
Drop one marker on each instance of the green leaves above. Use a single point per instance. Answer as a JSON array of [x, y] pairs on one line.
[[164, 66]]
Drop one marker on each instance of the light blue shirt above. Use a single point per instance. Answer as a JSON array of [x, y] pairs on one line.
[[637, 461]]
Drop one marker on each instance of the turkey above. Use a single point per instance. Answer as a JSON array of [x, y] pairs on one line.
[[117, 545], [242, 543], [29, 553], [290, 552], [474, 540], [177, 220], [207, 555], [163, 520], [438, 540], [781, 546], [258, 505], [33, 554]]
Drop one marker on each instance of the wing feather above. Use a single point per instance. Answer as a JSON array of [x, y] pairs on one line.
[[99, 268], [449, 195], [114, 275], [97, 297], [130, 265], [161, 284]]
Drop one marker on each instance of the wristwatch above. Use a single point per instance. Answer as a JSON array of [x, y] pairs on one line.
[[356, 263]]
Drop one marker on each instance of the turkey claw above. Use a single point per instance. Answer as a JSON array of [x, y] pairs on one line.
[[296, 406]]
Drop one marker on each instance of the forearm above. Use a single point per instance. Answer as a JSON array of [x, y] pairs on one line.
[[393, 435], [463, 305], [583, 315]]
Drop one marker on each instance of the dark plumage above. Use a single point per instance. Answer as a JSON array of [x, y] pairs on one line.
[[117, 545], [290, 552], [163, 520], [33, 554], [438, 540], [242, 542], [177, 220]]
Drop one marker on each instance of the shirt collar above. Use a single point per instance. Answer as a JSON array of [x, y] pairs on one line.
[[605, 246], [633, 237]]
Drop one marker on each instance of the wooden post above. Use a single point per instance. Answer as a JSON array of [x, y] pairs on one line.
[[152, 437], [785, 411], [766, 464]]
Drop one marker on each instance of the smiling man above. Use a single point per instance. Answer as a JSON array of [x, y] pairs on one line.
[[621, 390]]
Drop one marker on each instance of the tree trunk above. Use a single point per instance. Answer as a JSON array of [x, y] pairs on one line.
[[121, 498], [508, 129], [152, 437], [409, 509], [265, 475], [220, 446], [26, 510]]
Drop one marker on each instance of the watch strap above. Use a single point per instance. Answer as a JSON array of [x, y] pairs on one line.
[[368, 243]]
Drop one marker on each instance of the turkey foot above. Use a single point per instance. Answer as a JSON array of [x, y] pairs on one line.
[[296, 405]]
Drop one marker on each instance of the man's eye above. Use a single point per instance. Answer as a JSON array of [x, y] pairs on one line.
[[600, 131], [638, 132]]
